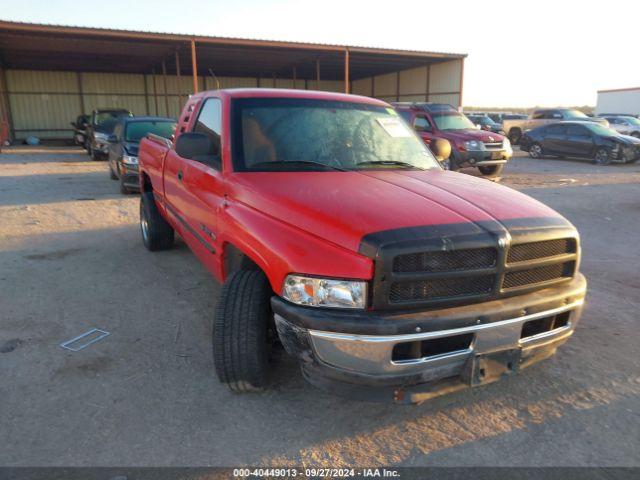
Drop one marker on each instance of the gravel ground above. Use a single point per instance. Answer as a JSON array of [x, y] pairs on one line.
[[71, 259]]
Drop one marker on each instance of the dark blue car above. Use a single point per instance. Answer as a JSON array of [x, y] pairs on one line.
[[583, 140], [124, 143]]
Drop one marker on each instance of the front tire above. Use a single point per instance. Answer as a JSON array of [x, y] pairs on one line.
[[123, 188], [601, 157], [157, 234], [535, 151], [492, 170], [239, 340]]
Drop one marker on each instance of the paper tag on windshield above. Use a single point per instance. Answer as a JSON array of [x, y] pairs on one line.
[[394, 127]]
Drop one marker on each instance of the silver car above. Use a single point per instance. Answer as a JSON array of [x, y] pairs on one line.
[[625, 125]]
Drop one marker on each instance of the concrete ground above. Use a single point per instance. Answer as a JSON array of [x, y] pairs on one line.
[[71, 259]]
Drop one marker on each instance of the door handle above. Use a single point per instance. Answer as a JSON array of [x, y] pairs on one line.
[[180, 175]]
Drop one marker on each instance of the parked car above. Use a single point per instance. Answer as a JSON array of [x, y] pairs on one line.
[[487, 151], [485, 122], [626, 125], [335, 231], [515, 128], [581, 139], [124, 143], [103, 121], [79, 129]]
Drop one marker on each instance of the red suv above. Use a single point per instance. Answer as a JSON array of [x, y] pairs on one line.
[[469, 146]]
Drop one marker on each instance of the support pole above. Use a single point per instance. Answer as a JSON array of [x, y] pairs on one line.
[[155, 91], [4, 89], [146, 94], [179, 82], [164, 82], [398, 86], [346, 71], [194, 66], [80, 92], [461, 78], [294, 77], [317, 74]]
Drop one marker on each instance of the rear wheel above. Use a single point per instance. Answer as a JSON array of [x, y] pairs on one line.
[[240, 340], [535, 151], [95, 156], [514, 136], [157, 234], [601, 157], [492, 170]]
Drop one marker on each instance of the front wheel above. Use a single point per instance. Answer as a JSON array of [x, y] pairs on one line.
[[240, 338], [157, 234], [601, 157], [492, 170], [535, 151]]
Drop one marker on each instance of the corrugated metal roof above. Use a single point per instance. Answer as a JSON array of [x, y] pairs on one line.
[[182, 35]]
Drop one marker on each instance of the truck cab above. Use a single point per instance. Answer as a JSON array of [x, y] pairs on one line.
[[470, 146], [336, 234]]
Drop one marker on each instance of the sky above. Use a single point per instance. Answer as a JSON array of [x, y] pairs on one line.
[[520, 54]]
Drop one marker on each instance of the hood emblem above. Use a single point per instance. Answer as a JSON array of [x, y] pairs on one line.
[[491, 139]]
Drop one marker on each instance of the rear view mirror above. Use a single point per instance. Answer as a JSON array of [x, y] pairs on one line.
[[441, 148]]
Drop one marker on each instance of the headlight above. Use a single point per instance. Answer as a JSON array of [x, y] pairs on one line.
[[473, 145], [324, 292], [129, 160], [506, 144], [103, 137]]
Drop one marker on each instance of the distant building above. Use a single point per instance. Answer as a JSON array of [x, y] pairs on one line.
[[621, 100]]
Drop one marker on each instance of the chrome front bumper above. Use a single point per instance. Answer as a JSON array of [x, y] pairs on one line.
[[372, 355]]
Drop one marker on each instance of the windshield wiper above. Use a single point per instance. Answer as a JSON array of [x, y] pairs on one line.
[[390, 162], [298, 162]]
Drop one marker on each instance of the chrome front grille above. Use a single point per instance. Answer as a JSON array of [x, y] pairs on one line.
[[493, 145]]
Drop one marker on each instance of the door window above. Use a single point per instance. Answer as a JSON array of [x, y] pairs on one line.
[[577, 131], [421, 124], [556, 130], [209, 122]]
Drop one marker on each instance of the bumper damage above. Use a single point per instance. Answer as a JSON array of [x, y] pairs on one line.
[[410, 357]]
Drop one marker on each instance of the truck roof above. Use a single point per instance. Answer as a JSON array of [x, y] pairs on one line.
[[289, 93]]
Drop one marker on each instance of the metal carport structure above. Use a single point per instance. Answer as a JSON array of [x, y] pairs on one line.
[[49, 74]]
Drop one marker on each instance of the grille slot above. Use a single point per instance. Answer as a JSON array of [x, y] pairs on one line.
[[493, 145], [538, 250], [433, 289], [440, 261], [532, 276]]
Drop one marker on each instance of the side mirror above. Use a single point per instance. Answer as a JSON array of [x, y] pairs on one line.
[[196, 146], [113, 138], [441, 148]]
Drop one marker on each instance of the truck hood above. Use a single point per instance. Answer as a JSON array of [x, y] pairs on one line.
[[343, 207], [460, 136]]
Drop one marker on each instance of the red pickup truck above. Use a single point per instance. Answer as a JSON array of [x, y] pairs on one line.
[[470, 146], [336, 232]]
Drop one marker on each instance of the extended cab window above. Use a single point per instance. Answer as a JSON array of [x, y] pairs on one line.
[[291, 134], [209, 122]]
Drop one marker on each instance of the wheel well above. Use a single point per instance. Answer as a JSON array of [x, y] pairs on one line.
[[515, 129], [146, 183], [235, 260]]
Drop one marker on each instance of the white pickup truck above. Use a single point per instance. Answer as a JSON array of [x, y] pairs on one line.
[[515, 128]]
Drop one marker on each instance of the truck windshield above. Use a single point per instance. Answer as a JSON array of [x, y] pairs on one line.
[[452, 121], [137, 130], [294, 134]]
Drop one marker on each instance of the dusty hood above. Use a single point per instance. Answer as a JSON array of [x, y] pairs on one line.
[[342, 207]]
